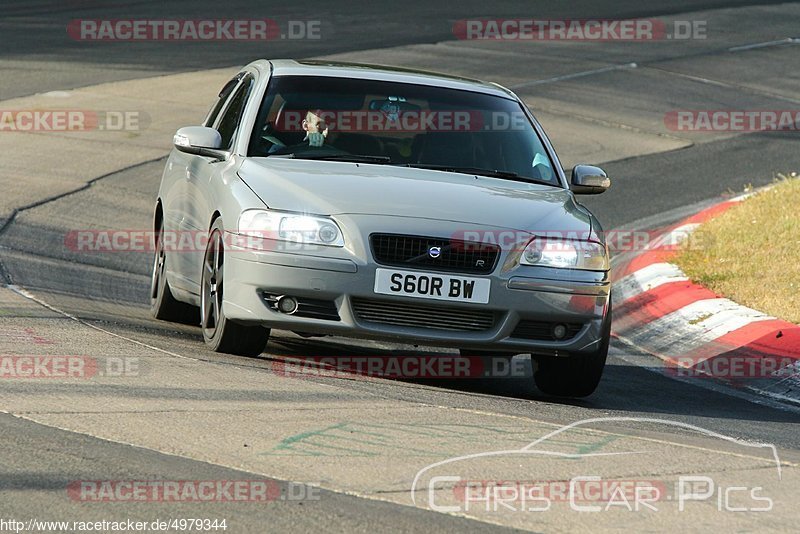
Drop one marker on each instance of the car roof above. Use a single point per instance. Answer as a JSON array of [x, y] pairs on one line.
[[290, 67]]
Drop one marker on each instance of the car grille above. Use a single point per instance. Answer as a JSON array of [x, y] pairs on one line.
[[543, 330], [413, 251], [423, 315]]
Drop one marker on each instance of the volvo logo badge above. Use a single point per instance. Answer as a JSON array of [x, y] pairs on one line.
[[435, 252]]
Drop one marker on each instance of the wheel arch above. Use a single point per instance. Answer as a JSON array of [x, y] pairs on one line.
[[214, 216], [158, 215]]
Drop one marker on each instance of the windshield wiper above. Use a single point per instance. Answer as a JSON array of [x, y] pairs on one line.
[[492, 173], [354, 158]]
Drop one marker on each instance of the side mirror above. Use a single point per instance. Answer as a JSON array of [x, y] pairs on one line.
[[589, 180], [200, 141]]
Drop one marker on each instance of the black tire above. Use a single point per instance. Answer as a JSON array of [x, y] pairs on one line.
[[220, 334], [163, 305], [575, 375]]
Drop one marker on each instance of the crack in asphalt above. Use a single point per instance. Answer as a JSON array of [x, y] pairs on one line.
[[4, 274]]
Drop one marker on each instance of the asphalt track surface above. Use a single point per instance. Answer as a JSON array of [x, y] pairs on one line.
[[37, 461]]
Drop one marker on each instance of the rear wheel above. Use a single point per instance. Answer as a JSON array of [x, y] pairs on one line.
[[163, 305], [577, 375], [220, 334]]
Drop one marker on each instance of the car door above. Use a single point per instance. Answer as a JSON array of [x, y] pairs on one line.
[[177, 204], [203, 172]]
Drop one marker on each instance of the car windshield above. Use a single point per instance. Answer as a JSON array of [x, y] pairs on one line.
[[370, 121]]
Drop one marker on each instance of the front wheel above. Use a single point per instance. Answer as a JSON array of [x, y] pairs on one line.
[[220, 334], [576, 375]]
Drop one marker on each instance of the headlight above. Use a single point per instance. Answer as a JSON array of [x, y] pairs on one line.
[[292, 227], [566, 254]]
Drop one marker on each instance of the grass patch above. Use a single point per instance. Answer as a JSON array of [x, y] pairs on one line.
[[700, 319], [751, 253]]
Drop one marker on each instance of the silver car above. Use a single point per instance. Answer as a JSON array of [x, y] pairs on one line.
[[383, 203]]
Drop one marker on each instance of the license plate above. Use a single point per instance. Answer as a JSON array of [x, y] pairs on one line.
[[432, 286]]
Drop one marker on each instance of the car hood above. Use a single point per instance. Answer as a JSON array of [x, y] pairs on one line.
[[331, 188]]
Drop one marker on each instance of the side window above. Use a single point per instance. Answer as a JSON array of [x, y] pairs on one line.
[[228, 122], [226, 91]]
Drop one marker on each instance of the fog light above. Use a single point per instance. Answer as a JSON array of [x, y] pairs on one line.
[[287, 305], [560, 331]]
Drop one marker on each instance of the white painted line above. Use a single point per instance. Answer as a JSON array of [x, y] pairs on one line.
[[24, 293], [646, 279], [575, 75], [788, 40]]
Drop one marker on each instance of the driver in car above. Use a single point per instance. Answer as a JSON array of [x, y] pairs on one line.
[[315, 128]]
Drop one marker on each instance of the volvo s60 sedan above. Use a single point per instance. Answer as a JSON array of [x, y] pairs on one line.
[[383, 203]]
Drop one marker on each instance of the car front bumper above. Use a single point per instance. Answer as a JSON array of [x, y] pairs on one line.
[[540, 295]]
